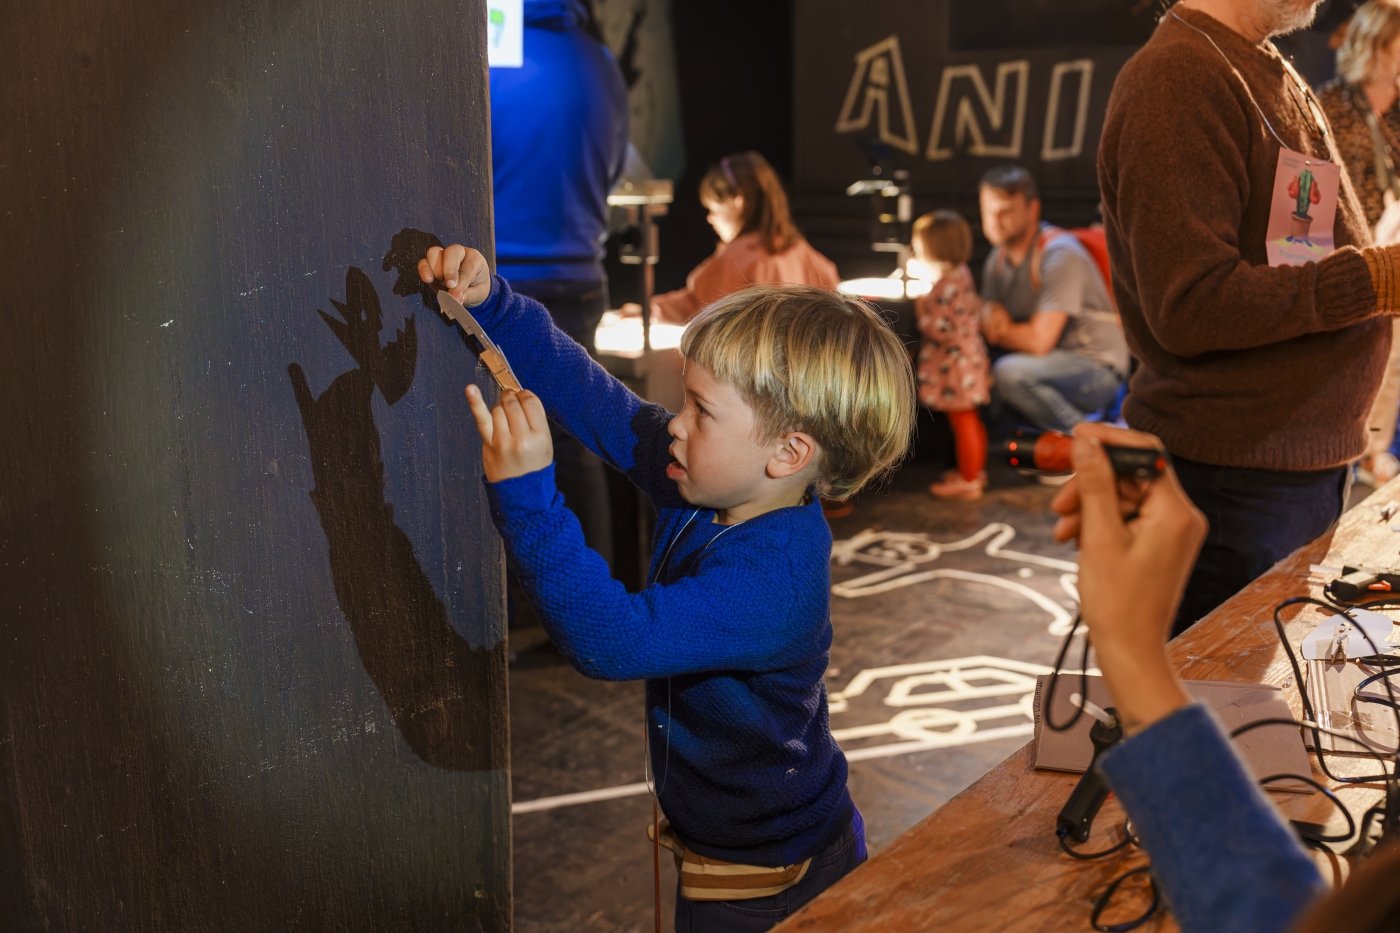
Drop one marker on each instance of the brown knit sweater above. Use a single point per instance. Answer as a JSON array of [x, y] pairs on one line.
[[1243, 365]]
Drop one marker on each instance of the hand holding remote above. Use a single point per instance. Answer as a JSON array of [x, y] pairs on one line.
[[1131, 574]]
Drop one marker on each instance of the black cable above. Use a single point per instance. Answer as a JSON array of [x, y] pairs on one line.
[[1312, 727], [1351, 823], [1129, 839], [1308, 710], [1375, 650], [1390, 824], [1388, 810], [1048, 705], [1366, 819], [1389, 667], [1102, 903], [1390, 820]]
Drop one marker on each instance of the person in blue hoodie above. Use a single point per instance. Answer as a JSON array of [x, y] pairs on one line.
[[1224, 858], [558, 146], [790, 392]]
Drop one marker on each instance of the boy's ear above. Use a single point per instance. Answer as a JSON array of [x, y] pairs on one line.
[[793, 453]]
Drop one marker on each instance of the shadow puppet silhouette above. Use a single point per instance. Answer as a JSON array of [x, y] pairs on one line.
[[439, 689]]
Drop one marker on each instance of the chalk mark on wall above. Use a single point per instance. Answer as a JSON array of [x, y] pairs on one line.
[[902, 554], [968, 122], [880, 70], [971, 115], [1084, 67]]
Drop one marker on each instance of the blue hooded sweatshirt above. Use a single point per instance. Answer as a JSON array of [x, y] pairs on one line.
[[558, 145]]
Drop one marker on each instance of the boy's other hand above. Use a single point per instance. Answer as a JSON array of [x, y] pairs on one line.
[[1131, 573], [514, 435], [460, 270]]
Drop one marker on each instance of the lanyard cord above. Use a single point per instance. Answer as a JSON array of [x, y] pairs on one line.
[[1318, 129], [647, 775]]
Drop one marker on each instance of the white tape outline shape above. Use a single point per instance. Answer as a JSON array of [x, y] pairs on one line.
[[922, 721], [902, 553]]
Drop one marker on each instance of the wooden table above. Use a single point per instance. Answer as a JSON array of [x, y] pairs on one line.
[[989, 860]]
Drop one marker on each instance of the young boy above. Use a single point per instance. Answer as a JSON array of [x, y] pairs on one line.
[[790, 392]]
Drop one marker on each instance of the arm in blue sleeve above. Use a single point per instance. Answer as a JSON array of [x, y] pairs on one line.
[[1224, 857], [579, 394], [732, 615]]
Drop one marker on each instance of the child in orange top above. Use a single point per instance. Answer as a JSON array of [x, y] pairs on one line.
[[952, 365]]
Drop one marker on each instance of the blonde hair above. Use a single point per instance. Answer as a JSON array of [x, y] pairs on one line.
[[1374, 26], [806, 359], [946, 236]]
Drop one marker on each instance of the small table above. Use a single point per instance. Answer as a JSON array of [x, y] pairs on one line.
[[989, 860]]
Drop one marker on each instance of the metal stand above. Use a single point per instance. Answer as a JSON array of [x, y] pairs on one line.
[[891, 211], [644, 201]]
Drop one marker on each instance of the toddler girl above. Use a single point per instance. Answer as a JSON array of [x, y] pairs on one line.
[[952, 366]]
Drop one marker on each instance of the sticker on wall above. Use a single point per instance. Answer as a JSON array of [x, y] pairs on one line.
[[505, 33]]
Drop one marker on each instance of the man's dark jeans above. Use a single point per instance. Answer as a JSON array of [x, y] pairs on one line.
[[576, 308], [1257, 518]]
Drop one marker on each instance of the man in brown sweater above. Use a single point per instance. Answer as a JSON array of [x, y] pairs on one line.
[[1258, 379]]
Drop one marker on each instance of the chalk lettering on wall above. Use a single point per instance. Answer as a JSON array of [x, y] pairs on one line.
[[1084, 68], [970, 115], [904, 554], [979, 114], [880, 70]]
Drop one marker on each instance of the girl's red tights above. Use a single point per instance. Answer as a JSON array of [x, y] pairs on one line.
[[970, 437]]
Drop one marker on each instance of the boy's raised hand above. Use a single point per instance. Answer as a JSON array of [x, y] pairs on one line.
[[514, 435], [459, 269], [1131, 573]]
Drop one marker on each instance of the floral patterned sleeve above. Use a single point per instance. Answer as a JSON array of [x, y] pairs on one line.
[[923, 314]]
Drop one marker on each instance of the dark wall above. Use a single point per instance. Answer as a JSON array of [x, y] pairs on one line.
[[1046, 71], [734, 62], [251, 604]]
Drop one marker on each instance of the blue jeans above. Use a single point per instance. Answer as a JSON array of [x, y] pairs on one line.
[[759, 914], [1056, 390], [1257, 518]]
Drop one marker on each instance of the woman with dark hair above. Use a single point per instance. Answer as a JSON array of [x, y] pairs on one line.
[[758, 242]]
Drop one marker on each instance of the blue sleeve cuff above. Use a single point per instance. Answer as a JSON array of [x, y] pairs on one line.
[[1178, 754], [1225, 858], [524, 495], [488, 313]]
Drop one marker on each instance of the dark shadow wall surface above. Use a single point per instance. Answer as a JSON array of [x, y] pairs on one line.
[[251, 603], [734, 64]]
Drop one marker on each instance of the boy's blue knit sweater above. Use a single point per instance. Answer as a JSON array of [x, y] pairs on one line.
[[732, 636]]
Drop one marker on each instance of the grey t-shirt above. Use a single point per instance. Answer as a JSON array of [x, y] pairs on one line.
[[1070, 282]]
